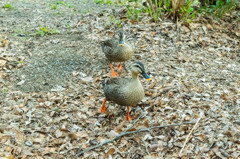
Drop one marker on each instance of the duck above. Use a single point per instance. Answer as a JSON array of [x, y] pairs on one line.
[[117, 50], [125, 91]]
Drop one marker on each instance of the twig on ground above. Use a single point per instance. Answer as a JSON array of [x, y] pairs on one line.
[[187, 139], [131, 132], [224, 153], [145, 144], [105, 142]]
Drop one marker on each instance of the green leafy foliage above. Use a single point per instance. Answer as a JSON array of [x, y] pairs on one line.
[[7, 6], [59, 2], [54, 7], [58, 13], [55, 109], [103, 2], [69, 5], [133, 13], [219, 8], [116, 22], [187, 11], [46, 31], [168, 6]]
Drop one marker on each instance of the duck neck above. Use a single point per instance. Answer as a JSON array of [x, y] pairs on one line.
[[121, 40], [135, 76]]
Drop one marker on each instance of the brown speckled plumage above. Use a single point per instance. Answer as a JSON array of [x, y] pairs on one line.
[[115, 52], [125, 91]]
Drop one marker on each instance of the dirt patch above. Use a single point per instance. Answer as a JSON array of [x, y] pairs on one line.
[[51, 66], [49, 60]]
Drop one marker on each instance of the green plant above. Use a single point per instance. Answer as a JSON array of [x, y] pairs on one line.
[[133, 13], [108, 2], [55, 109], [46, 31], [219, 8], [59, 2], [7, 6], [158, 12], [20, 32], [54, 7], [4, 90], [187, 11], [222, 8], [67, 26], [103, 2], [56, 13], [99, 1], [168, 6], [116, 22]]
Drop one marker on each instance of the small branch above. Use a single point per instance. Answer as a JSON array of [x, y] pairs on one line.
[[111, 140], [224, 153], [187, 139], [131, 132]]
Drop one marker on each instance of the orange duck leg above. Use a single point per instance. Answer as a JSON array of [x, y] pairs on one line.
[[114, 74], [103, 108], [128, 117]]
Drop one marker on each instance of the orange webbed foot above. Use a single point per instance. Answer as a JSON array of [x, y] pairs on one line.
[[128, 118], [119, 67], [114, 74]]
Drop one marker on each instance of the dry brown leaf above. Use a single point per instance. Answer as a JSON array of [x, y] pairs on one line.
[[48, 150], [224, 96], [9, 157], [209, 27], [217, 152], [19, 137], [149, 157], [110, 152], [82, 134], [143, 46], [9, 149], [201, 137], [73, 136], [2, 62]]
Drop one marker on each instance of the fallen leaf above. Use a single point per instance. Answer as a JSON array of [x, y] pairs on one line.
[[19, 137], [110, 152], [2, 62]]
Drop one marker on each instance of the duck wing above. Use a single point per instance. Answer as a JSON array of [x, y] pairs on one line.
[[113, 87], [108, 45]]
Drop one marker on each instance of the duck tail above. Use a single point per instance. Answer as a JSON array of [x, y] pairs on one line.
[[104, 83]]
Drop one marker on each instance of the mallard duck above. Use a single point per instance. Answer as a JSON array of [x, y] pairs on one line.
[[116, 50], [125, 91]]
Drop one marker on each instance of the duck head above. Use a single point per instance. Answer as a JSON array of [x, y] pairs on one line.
[[137, 68]]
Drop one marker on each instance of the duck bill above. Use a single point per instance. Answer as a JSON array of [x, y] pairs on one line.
[[145, 75]]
